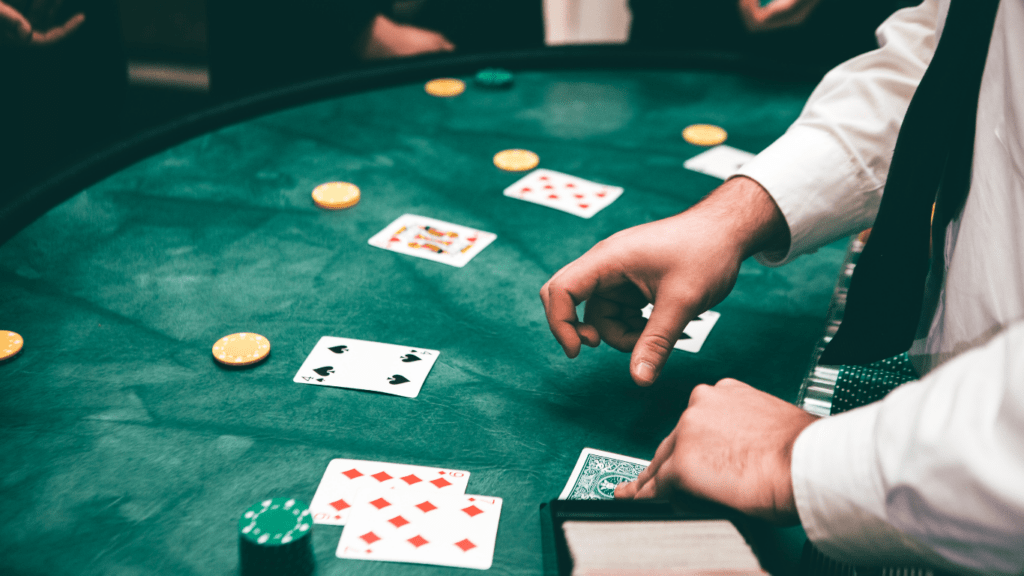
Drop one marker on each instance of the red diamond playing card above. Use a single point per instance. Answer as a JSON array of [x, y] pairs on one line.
[[444, 529]]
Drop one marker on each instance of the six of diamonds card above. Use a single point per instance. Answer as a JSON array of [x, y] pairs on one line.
[[345, 481], [362, 365], [404, 526], [431, 239], [563, 192]]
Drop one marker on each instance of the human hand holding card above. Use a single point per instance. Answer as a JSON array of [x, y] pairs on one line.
[[364, 365], [695, 333], [345, 480]]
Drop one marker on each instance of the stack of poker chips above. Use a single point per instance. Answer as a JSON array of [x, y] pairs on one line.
[[275, 538]]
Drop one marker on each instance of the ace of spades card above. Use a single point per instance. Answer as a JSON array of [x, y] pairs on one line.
[[363, 365], [432, 239]]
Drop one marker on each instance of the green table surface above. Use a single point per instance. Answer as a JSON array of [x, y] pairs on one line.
[[127, 450]]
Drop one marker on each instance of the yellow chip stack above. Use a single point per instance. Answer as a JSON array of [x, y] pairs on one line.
[[445, 87], [10, 344], [336, 195]]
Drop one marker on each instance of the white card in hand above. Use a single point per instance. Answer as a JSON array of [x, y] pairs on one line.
[[695, 333], [363, 365], [563, 192], [445, 530], [346, 480], [432, 239], [721, 161]]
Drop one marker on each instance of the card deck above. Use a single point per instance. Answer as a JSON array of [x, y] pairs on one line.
[[564, 192], [345, 480], [721, 161], [597, 473], [695, 333], [363, 365], [432, 239], [445, 530]]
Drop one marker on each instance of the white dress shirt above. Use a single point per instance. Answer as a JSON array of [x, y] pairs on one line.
[[934, 473]]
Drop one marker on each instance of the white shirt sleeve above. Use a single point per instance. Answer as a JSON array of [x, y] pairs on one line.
[[827, 171], [932, 474]]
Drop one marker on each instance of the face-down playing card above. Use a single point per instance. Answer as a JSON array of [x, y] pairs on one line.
[[564, 192], [695, 333], [432, 239], [363, 365], [345, 482], [400, 526]]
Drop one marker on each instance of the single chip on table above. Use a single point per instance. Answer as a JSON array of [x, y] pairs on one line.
[[494, 78], [445, 87], [242, 349], [275, 538], [336, 195], [516, 160], [704, 134], [10, 344]]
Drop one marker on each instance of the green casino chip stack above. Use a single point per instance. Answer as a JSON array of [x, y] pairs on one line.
[[494, 78], [275, 537]]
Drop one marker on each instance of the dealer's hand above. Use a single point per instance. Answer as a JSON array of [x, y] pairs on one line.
[[733, 445], [684, 265], [777, 14], [388, 39], [15, 28]]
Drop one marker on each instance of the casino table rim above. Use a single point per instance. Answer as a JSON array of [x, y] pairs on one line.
[[29, 205]]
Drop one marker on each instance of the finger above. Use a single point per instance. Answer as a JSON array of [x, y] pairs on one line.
[[669, 317], [571, 285], [56, 34], [446, 45], [609, 319], [661, 455], [17, 23]]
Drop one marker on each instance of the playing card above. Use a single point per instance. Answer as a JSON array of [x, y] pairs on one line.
[[563, 192], [695, 333], [345, 481], [721, 161], [401, 526], [597, 473], [362, 365], [431, 239]]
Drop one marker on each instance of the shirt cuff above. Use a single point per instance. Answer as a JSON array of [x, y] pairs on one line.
[[839, 493], [819, 188]]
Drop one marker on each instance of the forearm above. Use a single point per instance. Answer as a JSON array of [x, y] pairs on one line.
[[744, 214]]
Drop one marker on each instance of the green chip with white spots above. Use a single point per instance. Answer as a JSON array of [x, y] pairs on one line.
[[275, 522], [494, 78]]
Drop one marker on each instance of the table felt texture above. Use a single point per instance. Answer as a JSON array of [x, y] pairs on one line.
[[127, 450]]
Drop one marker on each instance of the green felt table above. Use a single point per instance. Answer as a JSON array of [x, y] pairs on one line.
[[125, 449]]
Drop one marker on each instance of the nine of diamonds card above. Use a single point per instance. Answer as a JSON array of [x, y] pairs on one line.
[[432, 239], [564, 192]]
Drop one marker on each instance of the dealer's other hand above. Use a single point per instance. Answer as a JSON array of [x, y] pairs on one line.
[[733, 445], [684, 265], [15, 28], [776, 15]]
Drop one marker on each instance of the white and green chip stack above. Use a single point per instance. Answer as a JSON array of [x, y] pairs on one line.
[[494, 78], [275, 537]]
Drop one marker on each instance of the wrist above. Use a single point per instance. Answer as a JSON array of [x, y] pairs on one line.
[[746, 217]]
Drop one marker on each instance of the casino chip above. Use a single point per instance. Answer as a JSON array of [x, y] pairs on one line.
[[704, 134], [275, 538], [494, 78], [336, 195], [10, 344], [516, 160], [241, 349], [445, 87]]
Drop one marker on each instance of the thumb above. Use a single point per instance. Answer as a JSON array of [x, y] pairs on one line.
[[657, 340]]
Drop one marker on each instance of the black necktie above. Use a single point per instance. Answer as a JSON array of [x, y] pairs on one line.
[[931, 164]]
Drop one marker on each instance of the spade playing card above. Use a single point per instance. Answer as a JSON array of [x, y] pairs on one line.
[[363, 365], [345, 481], [721, 161], [564, 192], [401, 526], [431, 239], [695, 333]]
